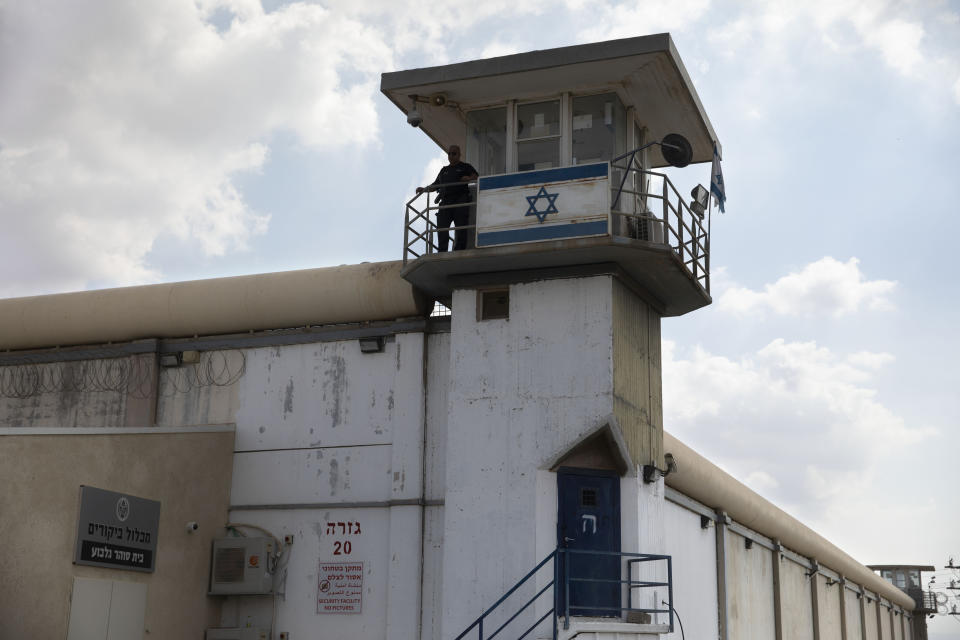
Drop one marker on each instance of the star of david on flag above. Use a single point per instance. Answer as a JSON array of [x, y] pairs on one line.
[[551, 204], [717, 187]]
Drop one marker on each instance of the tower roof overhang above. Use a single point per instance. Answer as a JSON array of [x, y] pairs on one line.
[[646, 70]]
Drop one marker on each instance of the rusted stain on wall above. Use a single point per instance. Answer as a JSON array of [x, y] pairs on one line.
[[334, 476], [288, 399], [337, 383]]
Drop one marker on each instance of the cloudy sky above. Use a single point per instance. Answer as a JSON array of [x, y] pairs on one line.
[[157, 141]]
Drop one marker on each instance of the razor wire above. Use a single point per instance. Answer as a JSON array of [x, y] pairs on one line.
[[133, 376], [219, 368]]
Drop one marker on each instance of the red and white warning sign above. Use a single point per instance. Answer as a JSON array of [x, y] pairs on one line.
[[340, 587]]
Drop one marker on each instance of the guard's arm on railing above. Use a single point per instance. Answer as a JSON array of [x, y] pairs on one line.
[[436, 186]]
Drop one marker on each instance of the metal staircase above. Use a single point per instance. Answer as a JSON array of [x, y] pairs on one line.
[[558, 582]]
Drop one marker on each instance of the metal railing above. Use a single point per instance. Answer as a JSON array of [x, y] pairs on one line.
[[561, 606], [675, 224], [672, 222], [420, 228]]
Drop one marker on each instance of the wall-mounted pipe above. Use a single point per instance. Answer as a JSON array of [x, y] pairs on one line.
[[352, 293], [700, 479]]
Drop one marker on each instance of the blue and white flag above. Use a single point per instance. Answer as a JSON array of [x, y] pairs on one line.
[[717, 187]]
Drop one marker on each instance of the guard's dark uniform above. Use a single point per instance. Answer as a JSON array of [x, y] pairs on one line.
[[451, 195]]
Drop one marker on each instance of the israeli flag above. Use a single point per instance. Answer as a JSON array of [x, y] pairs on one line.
[[716, 180]]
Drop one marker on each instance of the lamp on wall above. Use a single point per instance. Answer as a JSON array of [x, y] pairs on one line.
[[700, 197], [650, 471], [172, 359], [373, 344]]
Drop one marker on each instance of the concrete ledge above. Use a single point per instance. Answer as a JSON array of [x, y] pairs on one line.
[[113, 431], [599, 629], [652, 269]]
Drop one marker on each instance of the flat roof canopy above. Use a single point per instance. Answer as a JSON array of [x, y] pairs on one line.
[[647, 70]]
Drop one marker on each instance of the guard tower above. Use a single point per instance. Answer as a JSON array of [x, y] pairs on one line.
[[909, 579], [586, 125], [579, 245]]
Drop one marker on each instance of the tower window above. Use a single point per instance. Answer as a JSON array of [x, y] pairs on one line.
[[494, 305]]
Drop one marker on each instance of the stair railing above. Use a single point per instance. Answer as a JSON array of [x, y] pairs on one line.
[[633, 560]]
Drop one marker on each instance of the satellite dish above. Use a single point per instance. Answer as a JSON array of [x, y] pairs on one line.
[[676, 150]]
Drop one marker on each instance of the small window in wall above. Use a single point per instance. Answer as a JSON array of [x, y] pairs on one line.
[[494, 305], [538, 135], [487, 140]]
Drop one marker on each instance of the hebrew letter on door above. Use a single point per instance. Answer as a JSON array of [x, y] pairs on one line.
[[593, 522]]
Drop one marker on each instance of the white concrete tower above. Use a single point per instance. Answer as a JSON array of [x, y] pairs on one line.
[[577, 248]]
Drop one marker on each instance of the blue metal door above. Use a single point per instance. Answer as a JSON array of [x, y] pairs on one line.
[[588, 519]]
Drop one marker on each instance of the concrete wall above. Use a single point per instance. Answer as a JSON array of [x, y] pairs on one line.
[[638, 398], [886, 629], [750, 612], [439, 450], [324, 434], [206, 392], [438, 367], [187, 472], [104, 392], [771, 592], [694, 552], [297, 610], [644, 531], [854, 624], [521, 390], [327, 434], [828, 607], [796, 600], [897, 626], [871, 621]]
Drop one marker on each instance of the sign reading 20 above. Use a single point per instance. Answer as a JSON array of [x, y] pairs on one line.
[[343, 547]]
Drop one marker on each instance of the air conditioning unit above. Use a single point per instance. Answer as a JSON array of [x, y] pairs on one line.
[[239, 633], [242, 566]]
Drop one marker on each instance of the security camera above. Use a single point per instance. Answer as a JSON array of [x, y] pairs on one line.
[[414, 119], [192, 526]]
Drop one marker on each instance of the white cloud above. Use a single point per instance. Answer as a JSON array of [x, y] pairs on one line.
[[436, 29], [500, 48], [897, 40], [118, 127], [824, 287], [773, 32], [956, 91], [431, 171], [628, 19], [870, 360], [136, 121], [795, 420]]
